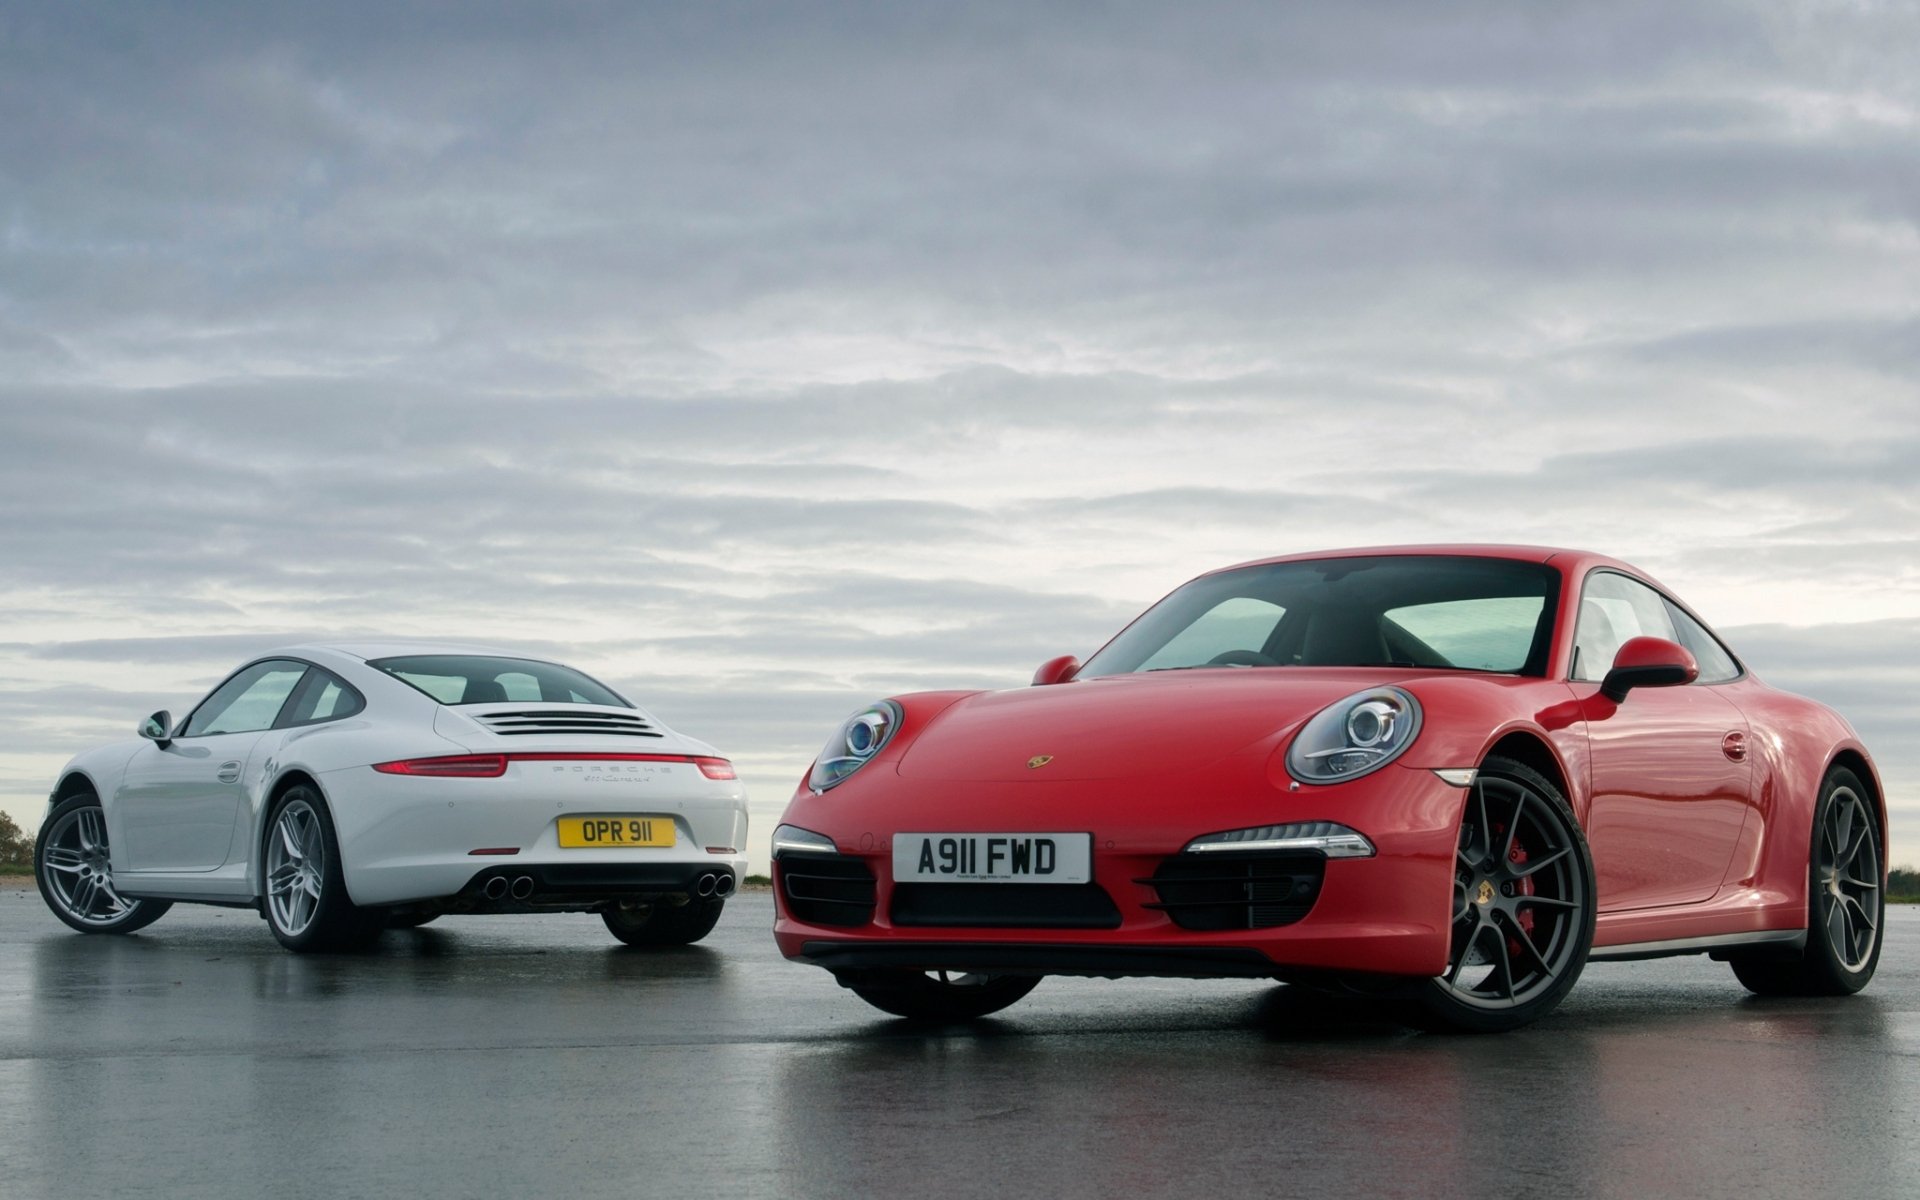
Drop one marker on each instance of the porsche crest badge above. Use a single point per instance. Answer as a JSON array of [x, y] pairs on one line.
[[1038, 761]]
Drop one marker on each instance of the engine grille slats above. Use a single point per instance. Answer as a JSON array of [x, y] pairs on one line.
[[559, 721]]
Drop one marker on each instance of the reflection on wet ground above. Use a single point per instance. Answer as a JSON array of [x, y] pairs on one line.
[[538, 1056]]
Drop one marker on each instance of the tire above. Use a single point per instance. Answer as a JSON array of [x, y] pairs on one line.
[[1845, 906], [407, 920], [75, 872], [938, 995], [306, 900], [1524, 905], [661, 924]]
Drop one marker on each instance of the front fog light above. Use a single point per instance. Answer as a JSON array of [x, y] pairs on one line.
[[1330, 839]]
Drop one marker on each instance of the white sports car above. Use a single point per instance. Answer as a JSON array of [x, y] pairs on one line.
[[345, 789]]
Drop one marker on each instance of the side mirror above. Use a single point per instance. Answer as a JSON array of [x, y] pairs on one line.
[[155, 728], [1648, 662], [1056, 670]]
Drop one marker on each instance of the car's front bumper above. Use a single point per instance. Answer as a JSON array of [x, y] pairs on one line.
[[1387, 914]]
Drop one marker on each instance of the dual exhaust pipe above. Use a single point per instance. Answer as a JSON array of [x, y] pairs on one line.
[[713, 883], [497, 888]]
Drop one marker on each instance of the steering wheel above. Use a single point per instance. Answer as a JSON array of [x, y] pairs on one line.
[[1242, 658]]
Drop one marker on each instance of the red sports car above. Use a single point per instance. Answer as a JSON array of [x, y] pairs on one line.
[[1451, 774]]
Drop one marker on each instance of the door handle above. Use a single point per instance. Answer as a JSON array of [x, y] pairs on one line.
[[229, 772], [1734, 746]]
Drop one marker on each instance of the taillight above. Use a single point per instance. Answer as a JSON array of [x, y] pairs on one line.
[[715, 768], [452, 766]]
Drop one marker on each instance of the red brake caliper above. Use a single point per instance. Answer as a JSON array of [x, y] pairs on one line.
[[1525, 916]]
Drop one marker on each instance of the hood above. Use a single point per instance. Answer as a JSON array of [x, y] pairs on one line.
[[1125, 725]]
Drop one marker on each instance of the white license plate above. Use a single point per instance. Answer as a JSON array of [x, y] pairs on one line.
[[993, 857]]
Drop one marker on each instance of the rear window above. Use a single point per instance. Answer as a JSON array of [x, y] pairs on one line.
[[483, 679]]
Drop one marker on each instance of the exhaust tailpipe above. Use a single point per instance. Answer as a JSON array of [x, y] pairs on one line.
[[705, 886], [495, 888], [523, 887], [723, 884]]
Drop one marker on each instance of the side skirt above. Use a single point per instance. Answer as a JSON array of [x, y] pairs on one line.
[[1784, 939]]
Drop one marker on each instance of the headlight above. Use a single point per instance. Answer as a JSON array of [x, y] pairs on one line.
[[1362, 733], [854, 744]]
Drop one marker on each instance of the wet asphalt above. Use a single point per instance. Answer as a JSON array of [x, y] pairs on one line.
[[534, 1056]]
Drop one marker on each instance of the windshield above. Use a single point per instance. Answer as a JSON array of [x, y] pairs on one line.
[[1471, 614], [481, 679]]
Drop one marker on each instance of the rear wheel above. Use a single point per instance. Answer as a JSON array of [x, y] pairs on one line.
[[74, 869], [1844, 904], [307, 903], [1523, 905], [939, 995], [661, 924]]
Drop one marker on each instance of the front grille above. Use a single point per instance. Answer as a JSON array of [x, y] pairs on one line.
[[827, 889], [551, 721], [1004, 906], [1237, 891]]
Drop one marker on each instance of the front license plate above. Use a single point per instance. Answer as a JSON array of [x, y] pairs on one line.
[[615, 833], [993, 857]]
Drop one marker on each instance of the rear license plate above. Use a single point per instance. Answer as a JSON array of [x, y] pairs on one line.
[[993, 857], [615, 833]]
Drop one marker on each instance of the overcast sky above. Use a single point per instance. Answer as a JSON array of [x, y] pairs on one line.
[[765, 359]]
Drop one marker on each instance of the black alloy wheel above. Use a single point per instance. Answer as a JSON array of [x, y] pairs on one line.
[[1844, 903], [938, 995], [1523, 905], [662, 924]]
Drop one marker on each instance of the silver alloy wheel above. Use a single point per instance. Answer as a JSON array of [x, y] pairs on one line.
[[296, 867], [79, 870], [1847, 879]]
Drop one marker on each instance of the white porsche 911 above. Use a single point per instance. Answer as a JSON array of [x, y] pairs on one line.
[[344, 789]]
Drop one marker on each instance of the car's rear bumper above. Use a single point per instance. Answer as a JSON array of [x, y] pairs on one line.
[[1386, 914], [405, 839]]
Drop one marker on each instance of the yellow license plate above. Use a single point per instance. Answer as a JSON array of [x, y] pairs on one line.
[[615, 833]]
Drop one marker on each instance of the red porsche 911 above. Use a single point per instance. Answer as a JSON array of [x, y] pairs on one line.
[[1451, 775]]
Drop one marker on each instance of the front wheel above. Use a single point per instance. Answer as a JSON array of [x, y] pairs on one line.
[[307, 903], [939, 995], [1844, 904], [74, 869], [1523, 905], [661, 924]]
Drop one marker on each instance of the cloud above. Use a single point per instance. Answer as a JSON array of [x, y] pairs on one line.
[[765, 359]]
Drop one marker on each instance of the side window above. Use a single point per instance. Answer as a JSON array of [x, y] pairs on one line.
[[324, 698], [1238, 623], [1716, 665], [248, 702], [1614, 609]]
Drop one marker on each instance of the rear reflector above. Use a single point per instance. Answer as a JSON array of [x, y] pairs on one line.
[[492, 766], [495, 850]]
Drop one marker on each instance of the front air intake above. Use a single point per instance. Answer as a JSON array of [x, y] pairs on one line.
[[1237, 891], [548, 721], [827, 889]]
